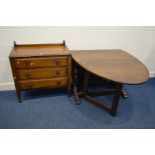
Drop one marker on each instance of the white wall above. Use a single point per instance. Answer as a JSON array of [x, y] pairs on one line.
[[139, 41]]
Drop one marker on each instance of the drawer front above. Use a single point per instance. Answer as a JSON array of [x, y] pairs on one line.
[[40, 62], [41, 73], [45, 83]]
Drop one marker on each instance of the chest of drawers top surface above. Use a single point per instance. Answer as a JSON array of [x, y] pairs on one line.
[[38, 50]]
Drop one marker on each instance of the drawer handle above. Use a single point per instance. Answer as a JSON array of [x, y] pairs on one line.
[[27, 76], [58, 83], [57, 62], [31, 64], [57, 73]]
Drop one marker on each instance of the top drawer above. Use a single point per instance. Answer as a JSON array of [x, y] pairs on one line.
[[40, 62]]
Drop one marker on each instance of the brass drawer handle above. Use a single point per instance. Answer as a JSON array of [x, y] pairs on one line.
[[31, 63], [58, 83], [57, 73], [57, 62]]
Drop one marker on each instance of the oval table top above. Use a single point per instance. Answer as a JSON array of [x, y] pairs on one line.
[[116, 65]]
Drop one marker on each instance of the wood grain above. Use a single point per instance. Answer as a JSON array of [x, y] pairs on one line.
[[116, 65], [40, 66], [42, 83], [24, 74], [37, 50], [40, 62]]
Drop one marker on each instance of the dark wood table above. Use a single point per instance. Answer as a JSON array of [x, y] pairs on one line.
[[113, 65]]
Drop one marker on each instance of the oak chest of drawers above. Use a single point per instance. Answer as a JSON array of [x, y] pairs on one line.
[[40, 66]]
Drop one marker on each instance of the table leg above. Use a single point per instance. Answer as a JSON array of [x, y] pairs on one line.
[[116, 100], [117, 92], [85, 83], [74, 84]]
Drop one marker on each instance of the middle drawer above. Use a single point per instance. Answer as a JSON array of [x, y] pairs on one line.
[[24, 74]]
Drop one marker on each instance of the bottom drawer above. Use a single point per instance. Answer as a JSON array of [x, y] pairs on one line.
[[43, 83]]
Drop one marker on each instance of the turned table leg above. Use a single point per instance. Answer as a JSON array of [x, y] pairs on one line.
[[85, 83], [116, 92], [115, 101], [74, 84]]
